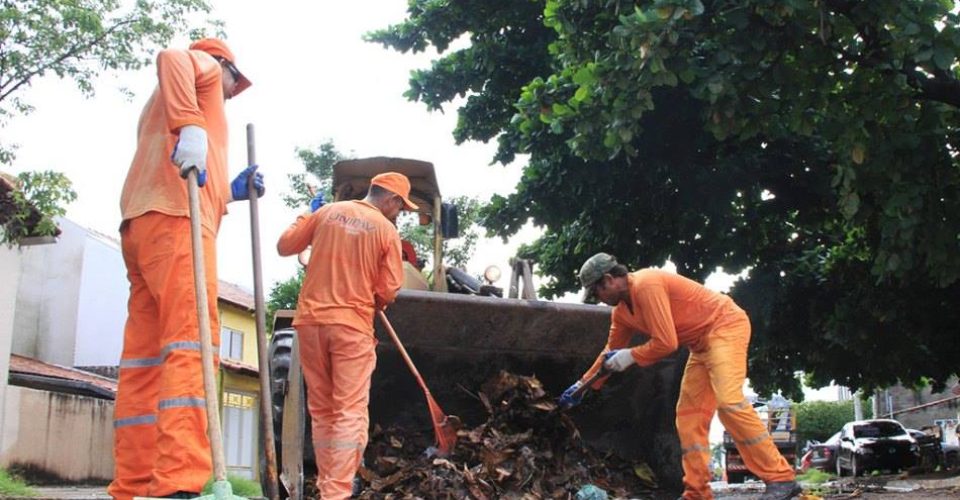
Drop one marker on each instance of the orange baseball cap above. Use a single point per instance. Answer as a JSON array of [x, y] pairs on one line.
[[397, 184], [218, 48]]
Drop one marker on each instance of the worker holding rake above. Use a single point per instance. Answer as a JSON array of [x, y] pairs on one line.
[[355, 269], [672, 311], [161, 448]]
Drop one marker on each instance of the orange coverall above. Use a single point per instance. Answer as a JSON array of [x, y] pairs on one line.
[[160, 440], [355, 266], [672, 311]]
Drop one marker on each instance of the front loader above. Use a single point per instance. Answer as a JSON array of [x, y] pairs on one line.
[[460, 340]]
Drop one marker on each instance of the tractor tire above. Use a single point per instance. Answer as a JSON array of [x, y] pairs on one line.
[[280, 352]]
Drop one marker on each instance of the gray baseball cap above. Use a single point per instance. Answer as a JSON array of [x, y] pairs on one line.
[[593, 270]]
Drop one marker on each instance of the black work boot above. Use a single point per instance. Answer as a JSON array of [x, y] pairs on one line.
[[182, 494], [783, 490]]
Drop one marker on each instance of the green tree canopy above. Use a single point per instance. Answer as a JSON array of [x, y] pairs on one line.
[[77, 39], [811, 142]]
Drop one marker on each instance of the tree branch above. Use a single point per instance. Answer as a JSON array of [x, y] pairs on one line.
[[72, 52]]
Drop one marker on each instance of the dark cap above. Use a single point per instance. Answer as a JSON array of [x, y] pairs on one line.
[[593, 270]]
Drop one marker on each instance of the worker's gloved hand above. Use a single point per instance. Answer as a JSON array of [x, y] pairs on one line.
[[619, 360], [191, 152], [316, 202], [567, 399], [239, 190]]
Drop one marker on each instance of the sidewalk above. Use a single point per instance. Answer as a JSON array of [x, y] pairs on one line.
[[70, 492]]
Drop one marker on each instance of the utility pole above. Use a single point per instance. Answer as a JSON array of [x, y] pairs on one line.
[[857, 406]]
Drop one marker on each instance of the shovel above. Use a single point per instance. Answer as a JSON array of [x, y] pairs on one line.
[[444, 426], [221, 487], [587, 386]]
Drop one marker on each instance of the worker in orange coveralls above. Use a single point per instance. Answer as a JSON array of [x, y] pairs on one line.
[[672, 311], [161, 447], [355, 268]]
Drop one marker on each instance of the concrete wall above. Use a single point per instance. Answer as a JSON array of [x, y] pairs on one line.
[[10, 270], [102, 307], [62, 434], [899, 398], [47, 299]]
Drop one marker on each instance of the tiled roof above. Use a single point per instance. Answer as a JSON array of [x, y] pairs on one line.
[[239, 367], [236, 295], [30, 366]]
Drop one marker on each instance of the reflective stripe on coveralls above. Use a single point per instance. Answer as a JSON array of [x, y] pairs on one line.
[[160, 441], [337, 364], [713, 380]]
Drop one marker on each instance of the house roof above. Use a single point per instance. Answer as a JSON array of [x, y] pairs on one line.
[[237, 367], [236, 295], [31, 372]]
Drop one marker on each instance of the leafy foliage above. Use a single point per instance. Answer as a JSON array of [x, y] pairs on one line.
[[319, 174], [811, 142], [77, 39], [818, 420], [284, 295], [29, 208]]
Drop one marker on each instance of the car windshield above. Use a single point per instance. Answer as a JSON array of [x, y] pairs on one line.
[[833, 440], [878, 430]]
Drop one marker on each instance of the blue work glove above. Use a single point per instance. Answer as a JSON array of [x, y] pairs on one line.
[[567, 400], [316, 202], [618, 360], [239, 189]]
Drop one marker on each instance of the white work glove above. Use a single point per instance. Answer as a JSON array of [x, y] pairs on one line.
[[619, 360], [191, 151]]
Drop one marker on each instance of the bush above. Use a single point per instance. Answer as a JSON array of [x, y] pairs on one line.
[[11, 486], [241, 486]]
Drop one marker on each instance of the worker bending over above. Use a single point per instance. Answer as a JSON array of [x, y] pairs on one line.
[[673, 311]]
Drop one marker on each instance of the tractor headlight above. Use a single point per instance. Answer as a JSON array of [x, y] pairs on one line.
[[491, 274]]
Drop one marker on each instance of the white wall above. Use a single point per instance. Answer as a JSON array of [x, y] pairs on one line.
[[46, 315], [10, 271], [102, 308]]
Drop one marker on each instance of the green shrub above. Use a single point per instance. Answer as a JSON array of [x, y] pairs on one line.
[[241, 486], [11, 486]]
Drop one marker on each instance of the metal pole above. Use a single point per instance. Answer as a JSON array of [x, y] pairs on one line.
[[266, 413]]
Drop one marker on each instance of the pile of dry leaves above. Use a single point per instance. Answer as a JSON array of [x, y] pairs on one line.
[[526, 449]]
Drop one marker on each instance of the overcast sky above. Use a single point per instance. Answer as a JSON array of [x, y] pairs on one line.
[[313, 77]]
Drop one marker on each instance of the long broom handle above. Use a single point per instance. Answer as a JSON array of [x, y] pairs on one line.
[[203, 318], [266, 412], [403, 352]]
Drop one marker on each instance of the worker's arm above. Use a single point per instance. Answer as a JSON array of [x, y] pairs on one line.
[[654, 305], [298, 236], [391, 272], [181, 76], [618, 338]]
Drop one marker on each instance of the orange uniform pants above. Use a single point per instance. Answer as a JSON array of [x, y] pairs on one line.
[[713, 382], [337, 362], [160, 425]]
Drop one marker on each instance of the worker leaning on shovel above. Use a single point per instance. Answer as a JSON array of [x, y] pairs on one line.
[[355, 268], [160, 427], [672, 311]]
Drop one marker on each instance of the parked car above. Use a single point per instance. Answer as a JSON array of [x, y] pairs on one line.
[[823, 455], [934, 452], [875, 444]]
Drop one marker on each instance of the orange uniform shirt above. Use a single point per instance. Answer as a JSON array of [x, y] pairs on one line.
[[671, 310], [190, 92], [354, 263]]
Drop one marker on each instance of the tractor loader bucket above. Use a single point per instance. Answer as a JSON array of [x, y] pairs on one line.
[[460, 341]]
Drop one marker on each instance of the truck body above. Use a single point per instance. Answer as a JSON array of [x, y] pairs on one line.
[[458, 341], [781, 422]]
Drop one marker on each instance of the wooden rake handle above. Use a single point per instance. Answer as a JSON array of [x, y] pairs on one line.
[[403, 352]]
